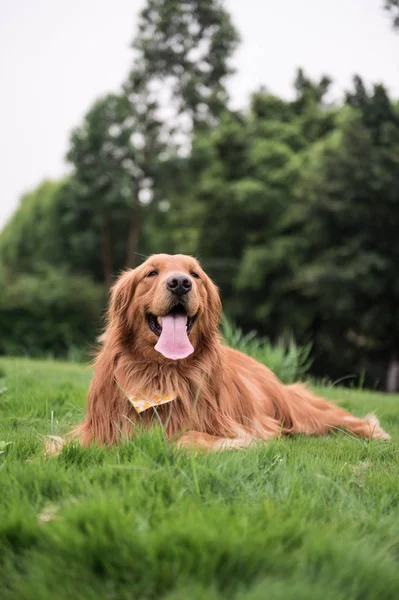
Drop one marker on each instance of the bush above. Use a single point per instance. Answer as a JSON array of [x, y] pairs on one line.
[[48, 312], [286, 359]]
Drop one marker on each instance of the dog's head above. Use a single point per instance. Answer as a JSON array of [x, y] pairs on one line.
[[167, 306]]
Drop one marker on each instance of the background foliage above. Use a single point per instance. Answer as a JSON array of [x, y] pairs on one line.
[[292, 206]]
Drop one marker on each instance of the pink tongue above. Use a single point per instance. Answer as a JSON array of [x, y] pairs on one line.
[[173, 342]]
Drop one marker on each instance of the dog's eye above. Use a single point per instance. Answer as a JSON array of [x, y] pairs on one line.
[[152, 274], [194, 274]]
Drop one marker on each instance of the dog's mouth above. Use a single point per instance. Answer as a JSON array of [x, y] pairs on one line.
[[155, 323], [173, 330]]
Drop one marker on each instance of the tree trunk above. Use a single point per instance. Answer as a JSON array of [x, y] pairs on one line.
[[392, 382], [133, 235], [107, 253], [133, 241]]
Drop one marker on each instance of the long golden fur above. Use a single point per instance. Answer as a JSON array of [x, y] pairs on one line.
[[225, 399]]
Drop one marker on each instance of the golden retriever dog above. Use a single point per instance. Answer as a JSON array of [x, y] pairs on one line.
[[162, 361]]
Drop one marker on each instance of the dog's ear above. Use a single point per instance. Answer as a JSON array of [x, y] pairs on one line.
[[214, 311], [122, 293]]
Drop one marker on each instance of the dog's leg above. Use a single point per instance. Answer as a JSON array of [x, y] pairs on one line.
[[312, 415], [369, 427], [204, 441]]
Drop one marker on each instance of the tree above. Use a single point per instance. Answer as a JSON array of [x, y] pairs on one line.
[[114, 154], [121, 151], [30, 238], [186, 47], [392, 6], [351, 223], [247, 173]]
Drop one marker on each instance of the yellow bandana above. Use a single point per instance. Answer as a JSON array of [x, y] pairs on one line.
[[142, 402]]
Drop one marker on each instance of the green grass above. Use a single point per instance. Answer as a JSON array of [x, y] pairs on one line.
[[293, 519], [286, 359]]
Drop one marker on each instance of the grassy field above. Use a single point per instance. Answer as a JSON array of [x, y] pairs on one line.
[[292, 519]]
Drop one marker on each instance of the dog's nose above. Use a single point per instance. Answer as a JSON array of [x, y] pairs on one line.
[[179, 284]]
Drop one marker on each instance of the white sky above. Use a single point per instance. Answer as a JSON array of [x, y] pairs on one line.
[[57, 56]]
